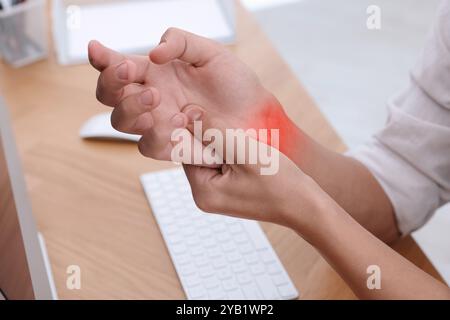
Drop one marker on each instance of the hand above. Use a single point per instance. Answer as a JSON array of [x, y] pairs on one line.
[[289, 197], [186, 77]]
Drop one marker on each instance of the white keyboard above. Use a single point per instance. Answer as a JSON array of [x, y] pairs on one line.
[[216, 257]]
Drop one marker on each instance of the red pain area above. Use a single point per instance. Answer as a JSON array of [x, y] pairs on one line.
[[272, 116]]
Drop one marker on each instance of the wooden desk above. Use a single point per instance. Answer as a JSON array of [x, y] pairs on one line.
[[87, 198]]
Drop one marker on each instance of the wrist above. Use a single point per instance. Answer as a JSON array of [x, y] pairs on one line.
[[271, 116]]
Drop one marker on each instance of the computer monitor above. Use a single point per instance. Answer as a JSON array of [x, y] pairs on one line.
[[24, 266]]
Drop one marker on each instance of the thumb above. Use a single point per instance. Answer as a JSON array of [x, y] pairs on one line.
[[204, 126], [208, 119], [233, 151]]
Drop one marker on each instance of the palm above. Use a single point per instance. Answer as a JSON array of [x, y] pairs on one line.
[[212, 87]]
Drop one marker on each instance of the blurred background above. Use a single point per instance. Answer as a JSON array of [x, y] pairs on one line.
[[375, 65]]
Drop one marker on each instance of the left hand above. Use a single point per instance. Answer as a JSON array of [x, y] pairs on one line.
[[289, 197], [184, 75]]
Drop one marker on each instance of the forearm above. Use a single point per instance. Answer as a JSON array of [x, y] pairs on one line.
[[350, 250], [345, 179], [350, 184]]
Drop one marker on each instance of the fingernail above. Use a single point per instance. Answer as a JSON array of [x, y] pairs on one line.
[[147, 97], [178, 121], [122, 71], [194, 115]]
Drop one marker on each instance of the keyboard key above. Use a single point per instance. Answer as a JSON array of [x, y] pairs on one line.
[[192, 242], [251, 292], [217, 293], [236, 294], [202, 260], [235, 228], [239, 267], [171, 229], [258, 269], [279, 280], [218, 227], [179, 248], [229, 285], [222, 237], [265, 285], [188, 269], [183, 259], [197, 251], [273, 269], [287, 291], [233, 257], [192, 281], [230, 221], [209, 242], [228, 246], [206, 272], [267, 257], [224, 274], [219, 263], [175, 239], [244, 278], [256, 235], [246, 248], [166, 219], [211, 283], [241, 238], [214, 253], [189, 231], [197, 293], [205, 233], [252, 258]]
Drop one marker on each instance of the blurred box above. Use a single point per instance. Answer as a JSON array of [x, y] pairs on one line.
[[23, 33], [135, 26]]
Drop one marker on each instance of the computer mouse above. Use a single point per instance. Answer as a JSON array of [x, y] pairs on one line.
[[99, 128]]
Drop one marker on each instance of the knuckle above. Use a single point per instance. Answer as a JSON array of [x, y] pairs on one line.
[[171, 30], [115, 123], [116, 120], [99, 94], [143, 147]]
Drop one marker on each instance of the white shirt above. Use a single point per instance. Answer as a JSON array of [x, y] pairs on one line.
[[410, 157]]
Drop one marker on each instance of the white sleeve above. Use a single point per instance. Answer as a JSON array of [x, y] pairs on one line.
[[410, 157]]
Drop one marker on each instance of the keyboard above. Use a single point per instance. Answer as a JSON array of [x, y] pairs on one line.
[[216, 257]]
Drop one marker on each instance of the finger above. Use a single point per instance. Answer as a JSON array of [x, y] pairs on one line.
[[102, 57], [156, 142], [117, 70], [200, 177], [206, 192], [239, 145], [186, 46], [133, 115], [210, 125], [113, 79]]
